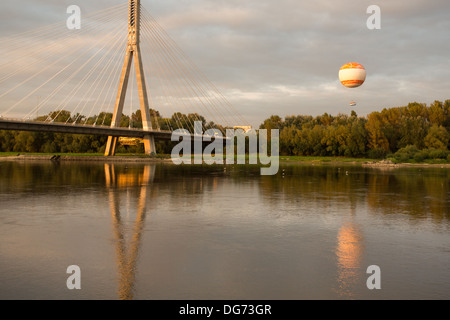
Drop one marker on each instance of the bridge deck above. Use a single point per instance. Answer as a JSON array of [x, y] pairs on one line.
[[55, 127]]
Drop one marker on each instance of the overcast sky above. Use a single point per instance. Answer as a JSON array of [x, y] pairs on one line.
[[283, 56]]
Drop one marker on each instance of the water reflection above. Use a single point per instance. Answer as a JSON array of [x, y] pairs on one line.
[[349, 251], [418, 192], [307, 233], [118, 183]]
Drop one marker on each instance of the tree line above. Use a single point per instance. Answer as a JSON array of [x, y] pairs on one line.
[[416, 126], [412, 129]]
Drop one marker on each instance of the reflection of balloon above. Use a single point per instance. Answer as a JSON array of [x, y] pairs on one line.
[[352, 75], [349, 249], [349, 252]]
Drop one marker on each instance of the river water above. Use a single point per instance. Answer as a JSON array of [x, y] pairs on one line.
[[160, 231]]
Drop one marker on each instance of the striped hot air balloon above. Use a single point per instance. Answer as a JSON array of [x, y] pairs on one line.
[[352, 75]]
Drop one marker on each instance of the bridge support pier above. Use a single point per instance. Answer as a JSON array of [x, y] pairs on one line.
[[111, 146], [149, 145]]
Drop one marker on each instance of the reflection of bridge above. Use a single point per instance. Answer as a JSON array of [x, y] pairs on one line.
[[77, 81], [127, 255]]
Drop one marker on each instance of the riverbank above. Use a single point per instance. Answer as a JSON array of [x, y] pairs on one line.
[[362, 161], [8, 156], [390, 164], [87, 157]]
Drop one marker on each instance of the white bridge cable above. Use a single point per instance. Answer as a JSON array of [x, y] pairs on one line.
[[156, 69], [149, 95], [174, 73], [162, 76], [80, 84], [46, 68], [18, 37], [62, 84], [197, 72], [201, 95], [114, 84], [115, 59], [168, 98], [35, 57], [52, 31], [93, 86], [73, 74], [45, 43], [190, 83], [75, 53], [177, 70]]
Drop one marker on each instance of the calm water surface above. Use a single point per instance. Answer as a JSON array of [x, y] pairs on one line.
[[204, 232]]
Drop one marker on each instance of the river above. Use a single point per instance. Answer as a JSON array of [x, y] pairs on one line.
[[160, 231]]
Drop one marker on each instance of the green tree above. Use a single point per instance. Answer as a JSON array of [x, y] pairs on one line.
[[58, 116], [376, 136], [289, 141], [437, 138], [274, 122], [437, 114], [357, 138], [413, 131]]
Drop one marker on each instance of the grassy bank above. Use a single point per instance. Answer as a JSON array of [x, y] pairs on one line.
[[283, 159], [323, 159], [14, 154], [363, 160]]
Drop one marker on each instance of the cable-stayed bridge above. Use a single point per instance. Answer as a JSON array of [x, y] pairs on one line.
[[84, 81]]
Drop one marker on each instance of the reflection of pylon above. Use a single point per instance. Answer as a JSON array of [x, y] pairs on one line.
[[127, 256], [133, 50]]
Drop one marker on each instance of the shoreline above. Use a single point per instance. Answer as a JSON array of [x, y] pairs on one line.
[[388, 165], [66, 158], [143, 159]]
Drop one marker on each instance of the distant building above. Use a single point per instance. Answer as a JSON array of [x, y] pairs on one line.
[[245, 128]]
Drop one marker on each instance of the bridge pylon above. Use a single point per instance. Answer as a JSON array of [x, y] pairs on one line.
[[133, 52]]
